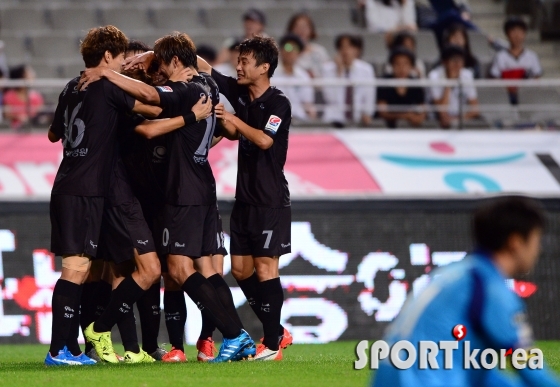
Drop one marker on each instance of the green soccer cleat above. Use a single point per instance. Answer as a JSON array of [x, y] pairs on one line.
[[134, 358], [102, 344]]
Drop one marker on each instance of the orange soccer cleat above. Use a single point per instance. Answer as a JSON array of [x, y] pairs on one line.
[[285, 340], [266, 354], [206, 349], [174, 356]]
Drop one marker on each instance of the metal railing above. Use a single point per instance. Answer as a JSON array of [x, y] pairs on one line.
[[545, 107]]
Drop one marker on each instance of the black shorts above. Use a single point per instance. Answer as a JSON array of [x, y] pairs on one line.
[[221, 249], [75, 224], [260, 231], [190, 230], [123, 230]]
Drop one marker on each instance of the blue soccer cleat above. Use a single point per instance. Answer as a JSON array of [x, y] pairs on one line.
[[65, 358], [235, 349]]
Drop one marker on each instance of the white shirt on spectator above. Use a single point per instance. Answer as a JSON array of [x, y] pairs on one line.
[[527, 61], [468, 89], [313, 58], [381, 18], [335, 96], [298, 95]]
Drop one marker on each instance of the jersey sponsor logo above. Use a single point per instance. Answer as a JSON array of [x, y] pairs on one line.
[[92, 244], [177, 244], [284, 246], [273, 123], [141, 242], [165, 89]]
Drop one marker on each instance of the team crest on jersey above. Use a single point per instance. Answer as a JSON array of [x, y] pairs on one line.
[[165, 89], [273, 123]]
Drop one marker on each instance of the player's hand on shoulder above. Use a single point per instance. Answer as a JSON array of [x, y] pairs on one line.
[[90, 75], [203, 108], [141, 61], [187, 73]]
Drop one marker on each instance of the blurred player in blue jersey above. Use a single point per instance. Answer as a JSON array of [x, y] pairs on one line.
[[473, 292]]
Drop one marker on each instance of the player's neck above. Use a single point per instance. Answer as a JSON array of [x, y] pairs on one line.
[[258, 88], [505, 263]]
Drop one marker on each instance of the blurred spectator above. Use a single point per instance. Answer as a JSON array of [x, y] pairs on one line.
[[456, 35], [389, 15], [22, 105], [450, 100], [228, 67], [314, 55], [407, 40], [254, 23], [347, 104], [401, 103], [208, 53], [518, 62], [301, 97], [3, 60], [1, 98]]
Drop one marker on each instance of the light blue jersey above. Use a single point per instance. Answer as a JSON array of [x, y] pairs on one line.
[[472, 293]]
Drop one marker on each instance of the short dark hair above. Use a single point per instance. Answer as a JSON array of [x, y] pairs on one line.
[[206, 52], [99, 40], [400, 38], [137, 45], [264, 50], [293, 39], [139, 75], [514, 22], [452, 51], [176, 44], [355, 41], [17, 72], [402, 51], [495, 222], [302, 15]]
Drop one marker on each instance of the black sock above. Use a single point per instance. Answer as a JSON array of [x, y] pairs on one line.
[[99, 301], [272, 298], [150, 314], [250, 288], [208, 327], [72, 342], [175, 310], [87, 307], [65, 304], [120, 304], [127, 329], [224, 292], [201, 291]]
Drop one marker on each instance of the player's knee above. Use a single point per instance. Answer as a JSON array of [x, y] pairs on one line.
[[239, 274], [266, 271], [150, 270], [169, 283]]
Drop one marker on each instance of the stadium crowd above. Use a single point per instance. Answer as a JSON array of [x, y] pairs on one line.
[[303, 58]]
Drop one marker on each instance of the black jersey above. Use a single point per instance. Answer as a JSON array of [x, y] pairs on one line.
[[260, 173], [87, 122], [190, 180]]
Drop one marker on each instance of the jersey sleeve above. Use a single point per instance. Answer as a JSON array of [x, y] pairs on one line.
[[279, 119], [118, 98], [169, 95], [227, 86], [57, 125]]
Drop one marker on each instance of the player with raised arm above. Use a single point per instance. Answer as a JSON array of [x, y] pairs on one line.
[[261, 217], [190, 212], [87, 123], [473, 293]]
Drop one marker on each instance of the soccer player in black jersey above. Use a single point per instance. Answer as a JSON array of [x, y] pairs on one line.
[[86, 121], [190, 215], [261, 217]]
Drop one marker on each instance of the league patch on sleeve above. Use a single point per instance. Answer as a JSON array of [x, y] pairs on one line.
[[273, 123], [165, 89]]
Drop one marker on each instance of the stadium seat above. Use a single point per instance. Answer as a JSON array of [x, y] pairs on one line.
[[15, 49], [480, 47], [333, 19], [543, 103], [73, 18], [178, 19], [55, 47], [127, 18], [22, 20], [426, 48], [375, 48], [225, 19], [72, 70], [277, 19], [495, 106], [49, 71]]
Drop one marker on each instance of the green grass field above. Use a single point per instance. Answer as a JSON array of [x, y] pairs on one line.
[[303, 365]]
